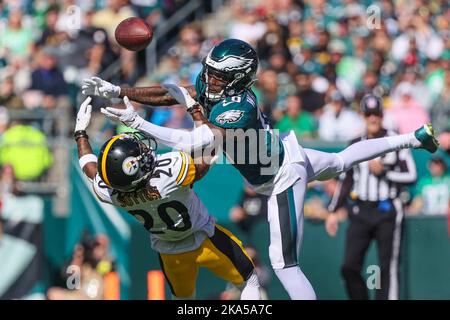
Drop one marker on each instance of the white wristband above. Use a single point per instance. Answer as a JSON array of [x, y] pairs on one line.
[[86, 159]]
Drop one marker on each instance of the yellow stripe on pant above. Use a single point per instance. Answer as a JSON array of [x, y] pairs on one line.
[[223, 254]]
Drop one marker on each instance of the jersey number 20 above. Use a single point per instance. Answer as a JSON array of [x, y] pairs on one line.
[[165, 217]]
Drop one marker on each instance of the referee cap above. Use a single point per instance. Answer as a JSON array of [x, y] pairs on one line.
[[371, 104]]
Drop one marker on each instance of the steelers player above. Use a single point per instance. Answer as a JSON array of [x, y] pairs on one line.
[[156, 189]]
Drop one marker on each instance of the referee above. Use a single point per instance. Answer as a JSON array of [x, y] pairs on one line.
[[375, 209]]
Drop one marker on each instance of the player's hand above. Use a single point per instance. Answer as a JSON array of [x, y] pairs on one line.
[[181, 95], [376, 167], [84, 115], [332, 224], [127, 116], [95, 86]]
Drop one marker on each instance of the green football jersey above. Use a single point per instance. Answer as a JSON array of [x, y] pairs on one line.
[[258, 156], [435, 194]]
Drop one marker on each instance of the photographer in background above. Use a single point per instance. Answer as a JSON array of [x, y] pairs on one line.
[[91, 256]]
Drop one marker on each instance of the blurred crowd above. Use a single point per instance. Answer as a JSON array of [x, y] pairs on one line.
[[91, 270], [46, 48]]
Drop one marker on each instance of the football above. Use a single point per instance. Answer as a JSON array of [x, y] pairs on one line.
[[134, 34]]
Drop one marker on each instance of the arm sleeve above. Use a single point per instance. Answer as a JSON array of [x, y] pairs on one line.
[[407, 166], [188, 141], [342, 191]]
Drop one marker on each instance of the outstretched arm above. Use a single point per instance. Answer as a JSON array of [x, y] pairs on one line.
[[85, 150], [188, 141], [87, 159], [184, 97], [154, 95]]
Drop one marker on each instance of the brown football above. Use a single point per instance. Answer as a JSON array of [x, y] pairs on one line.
[[134, 34]]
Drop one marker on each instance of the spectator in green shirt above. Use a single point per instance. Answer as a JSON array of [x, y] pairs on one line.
[[302, 122], [16, 39], [433, 191]]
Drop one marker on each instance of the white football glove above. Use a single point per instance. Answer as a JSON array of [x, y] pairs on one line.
[[95, 86], [181, 95], [84, 115], [127, 116]]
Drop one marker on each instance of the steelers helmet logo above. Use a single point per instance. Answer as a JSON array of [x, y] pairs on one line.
[[130, 166]]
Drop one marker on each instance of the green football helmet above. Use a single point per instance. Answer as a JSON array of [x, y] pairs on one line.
[[228, 70]]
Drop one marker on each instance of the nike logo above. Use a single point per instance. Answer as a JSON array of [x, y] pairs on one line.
[[225, 103]]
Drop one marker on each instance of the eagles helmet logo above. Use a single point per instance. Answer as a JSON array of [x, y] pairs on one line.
[[229, 63], [231, 116], [130, 166]]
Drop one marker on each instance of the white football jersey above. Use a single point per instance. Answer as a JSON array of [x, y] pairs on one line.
[[167, 207]]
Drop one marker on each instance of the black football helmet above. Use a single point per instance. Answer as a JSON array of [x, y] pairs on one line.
[[125, 162]]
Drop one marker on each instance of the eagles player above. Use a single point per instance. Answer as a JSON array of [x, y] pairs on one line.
[[157, 190], [226, 108]]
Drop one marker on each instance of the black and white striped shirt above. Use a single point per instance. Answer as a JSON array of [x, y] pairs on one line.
[[360, 183]]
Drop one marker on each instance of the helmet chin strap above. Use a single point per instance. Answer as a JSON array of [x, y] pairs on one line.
[[214, 97], [148, 163], [136, 183]]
